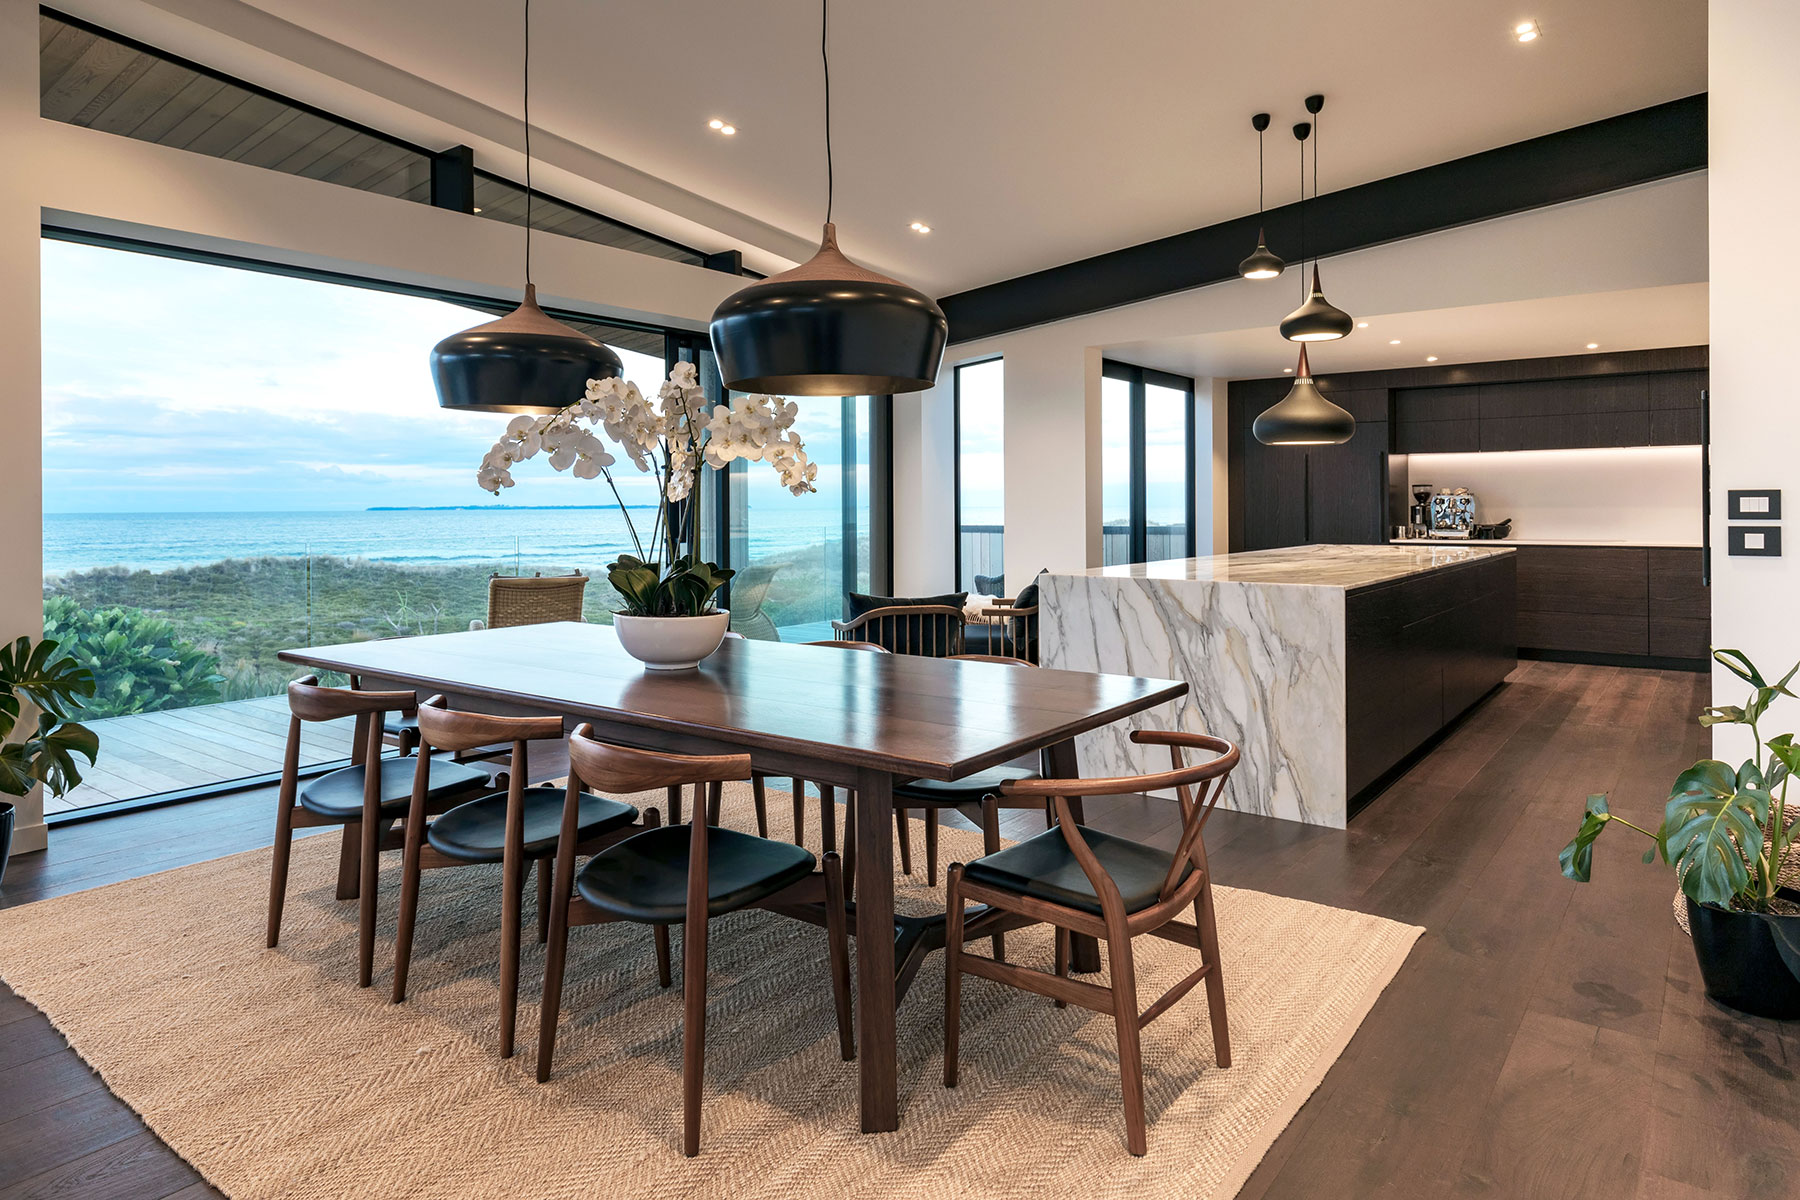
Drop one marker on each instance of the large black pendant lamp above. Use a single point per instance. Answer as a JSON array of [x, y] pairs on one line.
[[829, 327], [1262, 263], [1317, 319], [1304, 417], [527, 361]]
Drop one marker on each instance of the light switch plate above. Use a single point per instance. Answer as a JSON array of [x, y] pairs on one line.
[[1755, 541], [1764, 505]]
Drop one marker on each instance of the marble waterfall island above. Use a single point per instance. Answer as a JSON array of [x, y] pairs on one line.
[[1327, 665]]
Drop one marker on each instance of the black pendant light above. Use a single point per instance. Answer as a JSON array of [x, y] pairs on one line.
[[527, 361], [1304, 417], [1262, 263], [829, 327], [1317, 319]]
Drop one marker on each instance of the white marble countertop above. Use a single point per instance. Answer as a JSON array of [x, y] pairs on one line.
[[1341, 567], [1514, 541]]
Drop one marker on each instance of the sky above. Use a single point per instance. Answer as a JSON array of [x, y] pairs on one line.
[[174, 386]]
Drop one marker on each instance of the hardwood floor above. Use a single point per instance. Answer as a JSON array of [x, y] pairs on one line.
[[1543, 1040]]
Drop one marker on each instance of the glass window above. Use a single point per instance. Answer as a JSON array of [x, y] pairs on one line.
[[797, 556], [981, 477], [1146, 464], [246, 462], [1115, 471]]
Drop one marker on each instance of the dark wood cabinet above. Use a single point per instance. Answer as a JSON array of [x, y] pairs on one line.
[[1418, 653], [1347, 488], [1641, 409], [1626, 603]]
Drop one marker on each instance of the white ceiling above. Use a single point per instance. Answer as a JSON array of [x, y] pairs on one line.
[[1026, 132], [1638, 319]]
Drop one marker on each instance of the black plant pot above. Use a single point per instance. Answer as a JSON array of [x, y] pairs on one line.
[[6, 828], [1750, 961]]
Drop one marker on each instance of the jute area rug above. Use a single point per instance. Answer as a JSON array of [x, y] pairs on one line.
[[272, 1074]]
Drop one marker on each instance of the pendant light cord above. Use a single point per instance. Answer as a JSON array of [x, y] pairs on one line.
[[1302, 271], [1259, 174], [526, 88], [825, 57]]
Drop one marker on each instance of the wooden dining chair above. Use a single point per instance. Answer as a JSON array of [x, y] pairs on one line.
[[366, 798], [1085, 881], [682, 875], [515, 827]]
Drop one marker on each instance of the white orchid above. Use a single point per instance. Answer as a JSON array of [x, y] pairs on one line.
[[682, 430]]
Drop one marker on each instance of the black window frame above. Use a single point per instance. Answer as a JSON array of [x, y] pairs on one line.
[[1139, 379], [956, 521]]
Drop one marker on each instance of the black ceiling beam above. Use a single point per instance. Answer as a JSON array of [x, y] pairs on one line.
[[1588, 160]]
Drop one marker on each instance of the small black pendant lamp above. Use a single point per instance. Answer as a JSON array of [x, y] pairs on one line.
[[829, 327], [1304, 417], [1262, 263], [527, 361], [1317, 319]]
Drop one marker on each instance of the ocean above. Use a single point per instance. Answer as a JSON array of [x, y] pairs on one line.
[[426, 536]]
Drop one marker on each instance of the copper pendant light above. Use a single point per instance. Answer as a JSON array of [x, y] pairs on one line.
[[1262, 263], [1304, 417], [1317, 319], [829, 327], [527, 361]]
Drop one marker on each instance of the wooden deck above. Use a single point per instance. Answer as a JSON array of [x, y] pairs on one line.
[[147, 753]]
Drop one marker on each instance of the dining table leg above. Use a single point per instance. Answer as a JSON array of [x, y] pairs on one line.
[[1084, 951], [875, 1000]]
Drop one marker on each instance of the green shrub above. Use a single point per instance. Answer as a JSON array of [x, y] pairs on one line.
[[140, 662]]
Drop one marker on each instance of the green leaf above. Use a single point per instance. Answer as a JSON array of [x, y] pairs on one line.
[[15, 769], [1722, 714], [53, 682], [56, 750], [1784, 758], [1712, 824], [1577, 858], [1739, 664]]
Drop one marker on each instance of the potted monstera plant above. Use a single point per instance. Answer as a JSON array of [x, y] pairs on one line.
[[55, 686], [1728, 835], [670, 620]]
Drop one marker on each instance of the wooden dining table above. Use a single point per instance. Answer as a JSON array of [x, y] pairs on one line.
[[864, 722]]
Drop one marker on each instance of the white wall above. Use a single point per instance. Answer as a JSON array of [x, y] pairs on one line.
[[21, 402], [1647, 495], [1052, 372], [1754, 90]]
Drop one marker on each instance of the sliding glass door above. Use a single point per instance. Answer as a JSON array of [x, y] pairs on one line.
[[1146, 464]]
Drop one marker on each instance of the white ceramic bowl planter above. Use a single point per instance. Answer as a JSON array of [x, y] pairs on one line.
[[671, 643]]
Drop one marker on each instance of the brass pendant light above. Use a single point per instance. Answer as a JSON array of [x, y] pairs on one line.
[[1317, 319], [1304, 417], [829, 327], [1262, 263], [527, 361]]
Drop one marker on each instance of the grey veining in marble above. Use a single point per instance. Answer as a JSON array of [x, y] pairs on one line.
[[1259, 638]]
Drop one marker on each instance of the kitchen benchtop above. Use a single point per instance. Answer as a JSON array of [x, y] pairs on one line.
[[1342, 567], [1627, 543]]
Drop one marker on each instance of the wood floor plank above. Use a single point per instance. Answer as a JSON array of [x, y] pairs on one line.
[[137, 1168]]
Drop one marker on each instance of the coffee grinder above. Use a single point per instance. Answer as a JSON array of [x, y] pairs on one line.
[[1419, 516]]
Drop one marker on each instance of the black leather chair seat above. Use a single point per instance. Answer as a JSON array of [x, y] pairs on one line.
[[395, 725], [644, 878], [339, 794], [476, 831], [1044, 868], [967, 790]]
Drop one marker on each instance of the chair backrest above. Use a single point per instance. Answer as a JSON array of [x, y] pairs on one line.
[[933, 630], [609, 768], [308, 701], [442, 729], [1208, 777], [991, 585], [847, 644], [993, 658], [534, 599]]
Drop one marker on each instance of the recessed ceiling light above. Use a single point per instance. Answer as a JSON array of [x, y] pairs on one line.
[[1593, 345], [1431, 358], [1527, 31], [1394, 342], [920, 227], [477, 208], [715, 123], [1362, 324], [723, 127], [1287, 370]]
